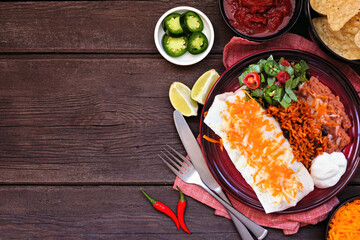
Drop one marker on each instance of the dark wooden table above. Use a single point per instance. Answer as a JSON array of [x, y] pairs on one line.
[[84, 111]]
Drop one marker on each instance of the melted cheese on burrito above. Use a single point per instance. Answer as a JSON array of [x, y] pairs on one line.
[[259, 151]]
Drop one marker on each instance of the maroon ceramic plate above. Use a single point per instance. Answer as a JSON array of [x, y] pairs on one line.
[[224, 170]]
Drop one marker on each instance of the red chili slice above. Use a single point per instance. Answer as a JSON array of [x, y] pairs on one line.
[[252, 80], [283, 76], [284, 62]]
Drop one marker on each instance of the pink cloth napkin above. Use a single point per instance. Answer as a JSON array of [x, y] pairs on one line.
[[236, 49]]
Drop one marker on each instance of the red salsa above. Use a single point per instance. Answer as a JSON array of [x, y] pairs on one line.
[[258, 17]]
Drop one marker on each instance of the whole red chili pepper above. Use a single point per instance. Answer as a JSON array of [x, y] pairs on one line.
[[162, 208], [181, 210]]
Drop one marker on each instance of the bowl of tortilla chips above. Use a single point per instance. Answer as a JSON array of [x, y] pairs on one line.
[[335, 26]]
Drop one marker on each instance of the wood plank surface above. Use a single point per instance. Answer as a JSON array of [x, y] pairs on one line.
[[121, 212]]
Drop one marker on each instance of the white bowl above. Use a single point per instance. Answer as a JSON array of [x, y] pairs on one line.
[[187, 58]]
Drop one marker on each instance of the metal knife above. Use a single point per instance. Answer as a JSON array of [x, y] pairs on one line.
[[194, 151]]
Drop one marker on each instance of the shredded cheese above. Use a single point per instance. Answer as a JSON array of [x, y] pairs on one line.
[[345, 223], [246, 134], [211, 139], [220, 141], [248, 94]]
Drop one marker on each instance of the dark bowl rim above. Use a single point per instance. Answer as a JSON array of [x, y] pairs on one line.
[[293, 19], [269, 50], [331, 215], [316, 38]]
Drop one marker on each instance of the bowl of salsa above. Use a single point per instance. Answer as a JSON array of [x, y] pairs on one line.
[[260, 20]]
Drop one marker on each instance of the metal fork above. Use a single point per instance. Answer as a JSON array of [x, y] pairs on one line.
[[186, 172]]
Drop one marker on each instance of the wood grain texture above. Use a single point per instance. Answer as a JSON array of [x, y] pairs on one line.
[[94, 26], [89, 120], [114, 212]]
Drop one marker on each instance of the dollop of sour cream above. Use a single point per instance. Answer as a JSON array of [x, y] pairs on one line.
[[327, 169]]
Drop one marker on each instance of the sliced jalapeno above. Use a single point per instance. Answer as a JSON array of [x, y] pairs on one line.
[[197, 43], [174, 46], [271, 68], [191, 22], [172, 24], [274, 94]]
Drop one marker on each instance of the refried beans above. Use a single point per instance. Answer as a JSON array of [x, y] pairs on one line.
[[329, 111]]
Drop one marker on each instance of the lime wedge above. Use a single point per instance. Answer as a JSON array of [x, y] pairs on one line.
[[203, 86], [180, 99]]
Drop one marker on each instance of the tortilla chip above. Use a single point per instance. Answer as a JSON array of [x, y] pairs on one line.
[[341, 11], [319, 6], [341, 42], [352, 27], [357, 40]]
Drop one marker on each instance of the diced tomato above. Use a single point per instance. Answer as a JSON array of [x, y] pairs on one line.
[[274, 22], [258, 19], [284, 62], [283, 76]]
